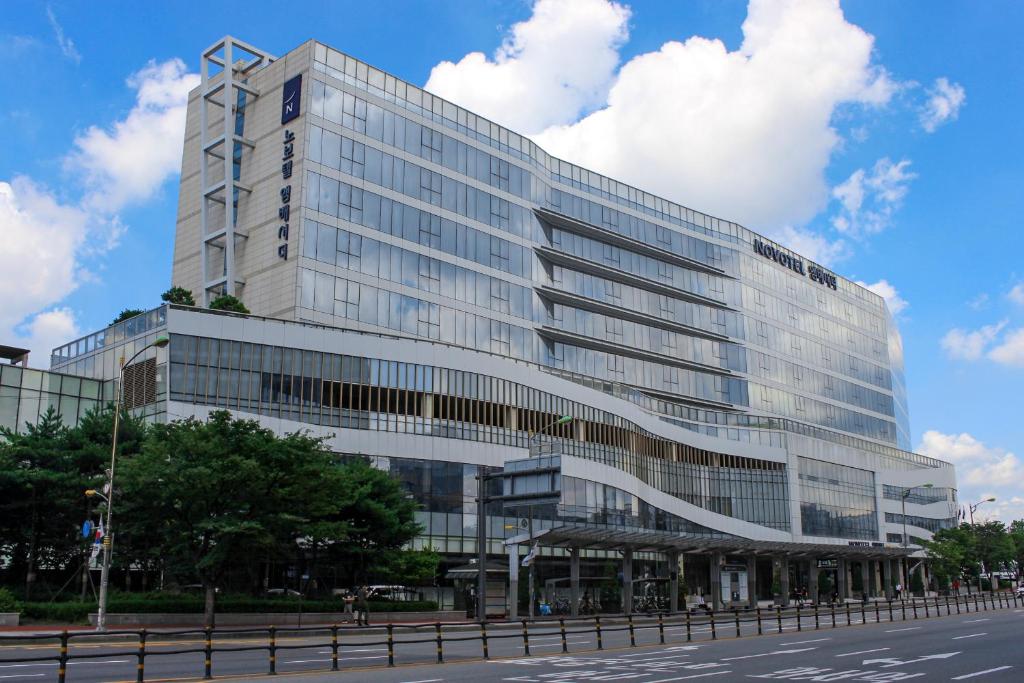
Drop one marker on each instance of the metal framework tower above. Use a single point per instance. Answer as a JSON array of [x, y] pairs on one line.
[[223, 148]]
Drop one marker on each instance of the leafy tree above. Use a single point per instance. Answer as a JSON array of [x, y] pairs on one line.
[[178, 295], [226, 302], [409, 567], [916, 583], [1017, 536], [993, 545], [380, 519], [42, 480], [223, 492], [127, 313], [948, 552], [824, 585]]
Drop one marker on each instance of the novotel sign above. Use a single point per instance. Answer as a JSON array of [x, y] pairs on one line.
[[816, 273]]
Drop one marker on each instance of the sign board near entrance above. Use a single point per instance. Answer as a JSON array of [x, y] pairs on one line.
[[829, 563]]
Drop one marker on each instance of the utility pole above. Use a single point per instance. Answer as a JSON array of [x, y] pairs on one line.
[[481, 543], [972, 507], [533, 558]]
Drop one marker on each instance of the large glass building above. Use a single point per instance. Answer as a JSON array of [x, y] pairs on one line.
[[434, 291]]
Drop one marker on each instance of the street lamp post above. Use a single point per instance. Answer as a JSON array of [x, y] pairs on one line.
[[972, 507], [108, 535], [565, 419], [906, 539]]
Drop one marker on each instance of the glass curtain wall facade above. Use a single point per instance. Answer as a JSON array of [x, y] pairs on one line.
[[421, 218], [729, 385], [26, 395]]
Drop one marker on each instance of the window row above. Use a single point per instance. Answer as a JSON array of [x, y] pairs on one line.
[[395, 130], [686, 280], [387, 262]]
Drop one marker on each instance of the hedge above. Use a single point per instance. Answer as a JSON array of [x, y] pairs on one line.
[[178, 604]]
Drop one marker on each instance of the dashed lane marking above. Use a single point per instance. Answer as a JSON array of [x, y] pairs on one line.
[[897, 630], [981, 673], [972, 635], [863, 652]]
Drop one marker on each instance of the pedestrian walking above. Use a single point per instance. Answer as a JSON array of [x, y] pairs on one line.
[[362, 607], [349, 599], [899, 590]]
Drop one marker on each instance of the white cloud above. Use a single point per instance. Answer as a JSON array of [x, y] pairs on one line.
[[979, 302], [1010, 350], [1016, 294], [733, 133], [49, 241], [129, 161], [811, 244], [982, 471], [884, 289], [67, 46], [868, 199], [944, 102], [550, 68], [970, 345], [42, 240]]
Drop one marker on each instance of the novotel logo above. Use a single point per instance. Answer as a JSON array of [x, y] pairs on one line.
[[816, 273]]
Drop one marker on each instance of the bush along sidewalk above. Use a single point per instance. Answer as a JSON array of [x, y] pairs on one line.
[[78, 612]]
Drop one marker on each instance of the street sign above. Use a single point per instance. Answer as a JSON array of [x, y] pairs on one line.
[[86, 529]]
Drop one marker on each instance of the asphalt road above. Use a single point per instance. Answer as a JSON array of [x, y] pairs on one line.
[[939, 648]]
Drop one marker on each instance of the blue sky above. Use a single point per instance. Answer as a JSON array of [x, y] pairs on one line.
[[881, 138]]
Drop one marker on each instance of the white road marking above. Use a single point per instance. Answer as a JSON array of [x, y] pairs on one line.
[[342, 650], [973, 635], [801, 642], [425, 680], [686, 678], [863, 652], [975, 621], [768, 654], [981, 673], [897, 630], [23, 676]]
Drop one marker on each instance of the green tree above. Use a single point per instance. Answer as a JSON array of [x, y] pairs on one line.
[[380, 518], [947, 552], [43, 474], [408, 567], [1017, 536], [993, 546], [824, 585], [226, 302], [178, 295], [127, 313], [916, 583], [225, 492]]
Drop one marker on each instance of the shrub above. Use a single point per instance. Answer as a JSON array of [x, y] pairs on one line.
[[226, 302], [179, 295], [7, 601], [167, 603], [125, 314]]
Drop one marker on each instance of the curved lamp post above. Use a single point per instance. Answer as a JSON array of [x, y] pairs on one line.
[[108, 538], [972, 507]]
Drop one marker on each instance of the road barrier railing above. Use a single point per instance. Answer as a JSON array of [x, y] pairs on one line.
[[438, 638]]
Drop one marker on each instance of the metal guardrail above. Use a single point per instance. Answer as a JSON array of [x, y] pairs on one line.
[[768, 620]]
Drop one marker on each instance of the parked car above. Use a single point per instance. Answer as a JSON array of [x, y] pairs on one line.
[[283, 593]]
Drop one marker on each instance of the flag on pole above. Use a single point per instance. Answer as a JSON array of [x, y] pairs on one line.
[[530, 556]]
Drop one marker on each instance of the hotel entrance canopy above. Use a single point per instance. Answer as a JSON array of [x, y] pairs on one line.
[[609, 538]]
